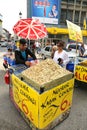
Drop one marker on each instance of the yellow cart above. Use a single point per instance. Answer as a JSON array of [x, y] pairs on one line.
[[42, 109]]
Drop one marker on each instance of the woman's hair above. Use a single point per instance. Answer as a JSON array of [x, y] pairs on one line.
[[61, 44]]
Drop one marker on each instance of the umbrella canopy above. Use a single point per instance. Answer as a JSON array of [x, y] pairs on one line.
[[30, 28]]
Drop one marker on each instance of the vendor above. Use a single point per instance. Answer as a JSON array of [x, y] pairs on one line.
[[21, 54]]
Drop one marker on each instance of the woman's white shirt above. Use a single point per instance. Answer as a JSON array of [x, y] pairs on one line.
[[63, 55]]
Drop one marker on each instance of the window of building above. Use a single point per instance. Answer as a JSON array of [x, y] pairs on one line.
[[78, 1], [69, 15], [66, 15], [76, 19], [84, 2], [63, 16], [71, 1], [64, 0], [83, 15]]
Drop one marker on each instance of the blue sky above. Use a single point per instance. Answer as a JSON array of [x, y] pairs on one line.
[[10, 10]]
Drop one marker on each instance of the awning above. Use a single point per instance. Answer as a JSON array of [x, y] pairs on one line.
[[55, 30]]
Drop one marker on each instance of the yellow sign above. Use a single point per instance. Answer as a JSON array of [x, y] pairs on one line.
[[54, 102], [42, 109], [84, 23], [81, 73], [17, 44], [26, 98], [75, 32]]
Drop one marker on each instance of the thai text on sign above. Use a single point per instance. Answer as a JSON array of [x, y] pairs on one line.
[[81, 73]]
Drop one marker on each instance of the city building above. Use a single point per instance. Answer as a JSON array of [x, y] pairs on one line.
[[72, 10], [4, 33]]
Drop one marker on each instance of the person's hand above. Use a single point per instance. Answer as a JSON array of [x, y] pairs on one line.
[[31, 63], [36, 61], [60, 61], [27, 63]]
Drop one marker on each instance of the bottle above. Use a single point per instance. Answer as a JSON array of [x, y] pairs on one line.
[[7, 78]]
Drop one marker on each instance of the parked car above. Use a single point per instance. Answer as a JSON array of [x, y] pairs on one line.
[[73, 46], [4, 43], [72, 53], [46, 52], [1, 42]]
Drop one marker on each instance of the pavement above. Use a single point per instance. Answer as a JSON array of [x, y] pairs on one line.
[[10, 118], [1, 60]]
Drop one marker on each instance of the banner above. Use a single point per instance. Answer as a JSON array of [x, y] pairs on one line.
[[47, 11], [75, 32], [85, 23], [81, 73]]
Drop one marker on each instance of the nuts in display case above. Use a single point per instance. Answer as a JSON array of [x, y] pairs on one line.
[[46, 74]]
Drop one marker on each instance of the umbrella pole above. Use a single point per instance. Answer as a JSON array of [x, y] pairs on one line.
[[29, 44], [76, 60]]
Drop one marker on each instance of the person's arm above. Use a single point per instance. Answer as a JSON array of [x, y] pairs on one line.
[[31, 54], [18, 57], [51, 14], [55, 13], [80, 52]]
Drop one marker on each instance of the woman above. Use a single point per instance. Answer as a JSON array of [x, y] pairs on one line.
[[54, 48], [61, 56]]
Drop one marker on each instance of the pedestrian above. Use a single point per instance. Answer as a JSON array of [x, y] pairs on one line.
[[14, 47], [21, 54], [54, 48], [81, 50], [61, 56], [7, 55], [47, 43], [37, 46]]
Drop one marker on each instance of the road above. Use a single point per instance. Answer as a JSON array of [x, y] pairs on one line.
[[10, 118]]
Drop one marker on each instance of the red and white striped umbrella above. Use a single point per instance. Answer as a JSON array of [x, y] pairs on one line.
[[30, 28]]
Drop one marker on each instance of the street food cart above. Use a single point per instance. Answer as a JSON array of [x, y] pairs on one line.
[[42, 93], [81, 73]]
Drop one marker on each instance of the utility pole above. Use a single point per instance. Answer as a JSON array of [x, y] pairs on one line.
[[1, 26], [20, 15]]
